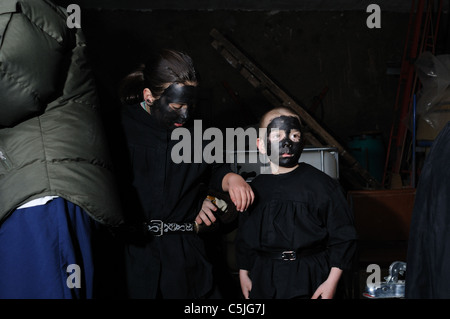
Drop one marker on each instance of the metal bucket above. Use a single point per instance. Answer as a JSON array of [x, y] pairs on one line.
[[369, 150]]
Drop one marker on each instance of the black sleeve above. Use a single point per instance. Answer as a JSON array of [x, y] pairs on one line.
[[218, 172], [341, 230], [245, 256]]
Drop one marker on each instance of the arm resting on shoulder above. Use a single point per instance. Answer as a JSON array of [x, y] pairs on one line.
[[240, 192]]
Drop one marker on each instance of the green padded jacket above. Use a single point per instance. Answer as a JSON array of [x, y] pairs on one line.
[[52, 141]]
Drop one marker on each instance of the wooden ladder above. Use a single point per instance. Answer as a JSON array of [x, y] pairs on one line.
[[315, 134], [421, 36]]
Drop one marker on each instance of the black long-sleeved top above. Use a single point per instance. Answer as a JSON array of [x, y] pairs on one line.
[[173, 265], [302, 209], [428, 258]]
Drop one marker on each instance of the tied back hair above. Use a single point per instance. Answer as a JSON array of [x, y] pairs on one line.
[[163, 68], [131, 87]]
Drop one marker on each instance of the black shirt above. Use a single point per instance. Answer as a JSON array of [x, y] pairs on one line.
[[300, 210], [173, 265]]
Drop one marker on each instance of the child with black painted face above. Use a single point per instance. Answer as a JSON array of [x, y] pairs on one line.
[[283, 141], [163, 199], [298, 237]]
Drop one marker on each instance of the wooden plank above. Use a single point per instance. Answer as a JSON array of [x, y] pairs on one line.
[[278, 97]]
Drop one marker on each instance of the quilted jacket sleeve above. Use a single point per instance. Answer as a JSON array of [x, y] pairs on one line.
[[35, 45]]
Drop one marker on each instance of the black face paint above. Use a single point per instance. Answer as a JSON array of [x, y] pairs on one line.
[[175, 93], [284, 152]]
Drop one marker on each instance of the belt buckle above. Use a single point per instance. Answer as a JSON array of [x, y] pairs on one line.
[[288, 255], [157, 228]]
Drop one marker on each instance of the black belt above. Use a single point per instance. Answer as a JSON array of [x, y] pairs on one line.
[[291, 254], [158, 227]]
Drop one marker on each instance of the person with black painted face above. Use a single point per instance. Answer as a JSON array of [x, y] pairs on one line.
[[298, 237], [173, 108], [284, 142], [165, 257]]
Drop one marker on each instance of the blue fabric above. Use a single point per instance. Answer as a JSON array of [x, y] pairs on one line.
[[38, 244]]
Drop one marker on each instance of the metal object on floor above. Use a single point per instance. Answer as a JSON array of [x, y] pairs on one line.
[[393, 287]]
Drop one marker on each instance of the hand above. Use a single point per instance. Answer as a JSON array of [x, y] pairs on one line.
[[246, 283], [328, 288], [206, 214], [325, 291], [240, 192]]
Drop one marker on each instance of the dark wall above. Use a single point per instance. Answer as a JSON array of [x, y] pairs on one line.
[[305, 53]]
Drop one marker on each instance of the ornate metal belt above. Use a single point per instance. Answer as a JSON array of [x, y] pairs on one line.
[[158, 228]]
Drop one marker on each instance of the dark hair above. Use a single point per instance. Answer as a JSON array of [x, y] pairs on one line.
[[167, 66], [284, 108]]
